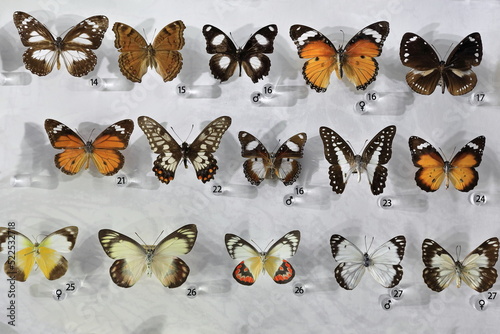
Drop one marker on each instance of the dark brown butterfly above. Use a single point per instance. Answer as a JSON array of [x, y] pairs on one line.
[[428, 71], [170, 153], [78, 153], [226, 56], [44, 51], [433, 170], [345, 162], [264, 165], [136, 55], [476, 270], [356, 60]]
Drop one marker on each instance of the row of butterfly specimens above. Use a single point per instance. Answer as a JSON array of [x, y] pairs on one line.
[[133, 259], [357, 60]]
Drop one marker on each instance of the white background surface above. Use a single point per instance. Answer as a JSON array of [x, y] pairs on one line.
[[93, 202]]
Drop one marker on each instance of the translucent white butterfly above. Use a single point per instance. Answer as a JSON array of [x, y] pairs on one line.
[[254, 262], [45, 254], [383, 264], [134, 259], [476, 270]]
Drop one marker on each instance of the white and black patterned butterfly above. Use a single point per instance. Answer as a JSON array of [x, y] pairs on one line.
[[383, 264], [429, 71], [170, 153], [254, 262], [134, 259], [476, 270], [226, 56], [344, 162], [75, 48], [261, 164]]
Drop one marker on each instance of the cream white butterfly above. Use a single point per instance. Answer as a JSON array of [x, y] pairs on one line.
[[134, 259], [383, 264], [476, 270]]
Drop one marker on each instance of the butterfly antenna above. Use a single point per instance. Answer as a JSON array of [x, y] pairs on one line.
[[343, 38], [448, 51], [371, 243], [158, 237], [137, 234], [444, 155], [458, 250]]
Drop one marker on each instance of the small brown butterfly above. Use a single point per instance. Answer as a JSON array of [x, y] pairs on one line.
[[136, 55], [44, 51]]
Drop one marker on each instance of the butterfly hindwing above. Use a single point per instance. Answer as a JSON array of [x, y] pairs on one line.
[[199, 153], [75, 48], [383, 264], [476, 270], [226, 56], [283, 164], [162, 55], [343, 161], [134, 259], [428, 71], [433, 170], [104, 150], [46, 254], [253, 262], [356, 60]]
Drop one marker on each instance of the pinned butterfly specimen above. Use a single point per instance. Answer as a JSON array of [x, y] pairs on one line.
[[356, 60], [383, 264], [78, 153], [261, 164], [476, 270], [433, 169], [134, 259], [226, 56], [44, 51], [429, 71], [170, 153], [344, 162], [254, 262], [46, 254], [136, 55]]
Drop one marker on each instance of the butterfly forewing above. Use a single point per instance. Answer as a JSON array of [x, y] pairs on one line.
[[226, 56], [476, 270], [136, 55], [75, 47], [103, 150]]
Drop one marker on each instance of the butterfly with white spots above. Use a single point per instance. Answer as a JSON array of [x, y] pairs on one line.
[[383, 263], [254, 262], [261, 164], [345, 162]]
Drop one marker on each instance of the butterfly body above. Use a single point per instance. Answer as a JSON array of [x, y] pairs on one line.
[[476, 270], [103, 151], [428, 71], [282, 164], [251, 57], [254, 262], [75, 48], [132, 259], [45, 254], [433, 169], [199, 152], [136, 55], [345, 162], [383, 264], [356, 60]]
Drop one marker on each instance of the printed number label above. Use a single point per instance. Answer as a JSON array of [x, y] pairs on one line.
[[386, 202], [492, 295], [217, 189], [181, 89], [480, 97], [121, 180], [191, 292], [480, 199], [70, 287], [298, 290], [299, 190], [371, 96], [94, 82], [397, 293], [268, 89]]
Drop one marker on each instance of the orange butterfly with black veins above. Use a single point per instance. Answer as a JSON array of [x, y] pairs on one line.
[[136, 55], [433, 169], [78, 153], [356, 60]]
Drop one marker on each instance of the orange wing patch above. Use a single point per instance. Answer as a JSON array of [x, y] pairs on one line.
[[103, 151]]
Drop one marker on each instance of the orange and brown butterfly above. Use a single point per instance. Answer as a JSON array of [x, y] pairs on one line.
[[356, 60], [44, 51], [78, 153], [433, 169], [45, 254], [136, 55]]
